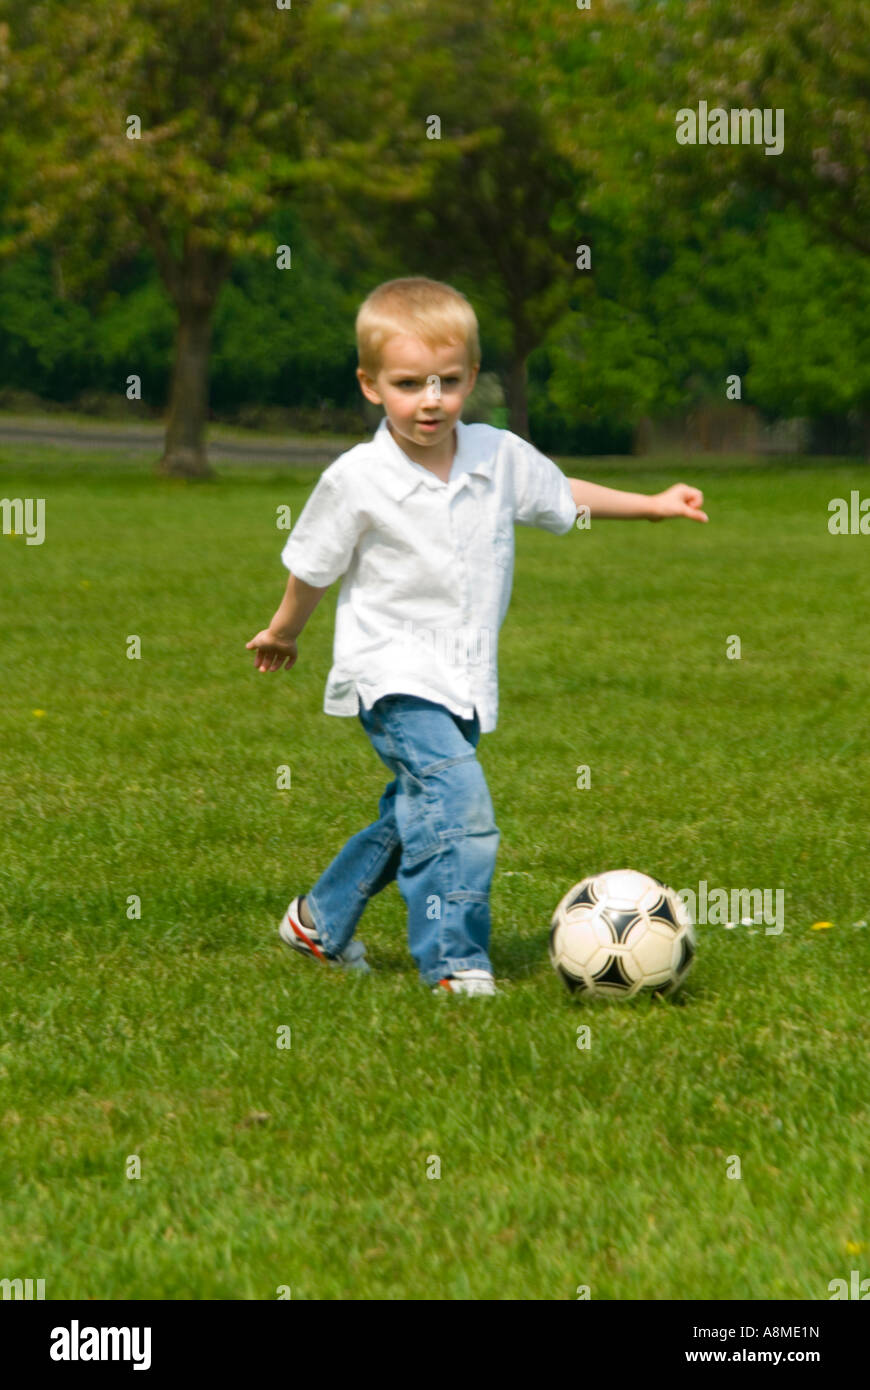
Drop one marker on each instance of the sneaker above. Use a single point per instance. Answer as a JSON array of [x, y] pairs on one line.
[[306, 940], [467, 982]]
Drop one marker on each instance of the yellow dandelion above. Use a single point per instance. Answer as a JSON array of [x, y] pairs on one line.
[[821, 926], [38, 712], [854, 1247]]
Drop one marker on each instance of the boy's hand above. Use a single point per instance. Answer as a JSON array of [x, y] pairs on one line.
[[272, 652], [679, 500]]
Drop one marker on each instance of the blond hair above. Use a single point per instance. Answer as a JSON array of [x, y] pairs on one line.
[[419, 308]]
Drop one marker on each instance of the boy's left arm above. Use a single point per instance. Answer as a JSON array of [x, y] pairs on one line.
[[610, 503]]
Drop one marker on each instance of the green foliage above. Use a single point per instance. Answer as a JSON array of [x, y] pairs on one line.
[[290, 344], [47, 343], [769, 302], [808, 351], [811, 59], [607, 365], [291, 348], [558, 128]]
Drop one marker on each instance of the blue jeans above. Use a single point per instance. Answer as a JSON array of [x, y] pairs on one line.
[[436, 836]]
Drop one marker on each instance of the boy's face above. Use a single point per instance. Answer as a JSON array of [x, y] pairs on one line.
[[422, 390]]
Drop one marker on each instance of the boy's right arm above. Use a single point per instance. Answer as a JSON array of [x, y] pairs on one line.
[[275, 646]]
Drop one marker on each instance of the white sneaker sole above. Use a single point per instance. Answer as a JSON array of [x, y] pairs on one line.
[[476, 983], [295, 936]]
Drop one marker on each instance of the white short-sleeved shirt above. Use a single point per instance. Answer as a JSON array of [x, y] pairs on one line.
[[427, 565]]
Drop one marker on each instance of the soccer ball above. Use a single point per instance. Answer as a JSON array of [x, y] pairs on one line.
[[619, 934]]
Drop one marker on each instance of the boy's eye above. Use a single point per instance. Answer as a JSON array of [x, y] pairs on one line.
[[445, 381]]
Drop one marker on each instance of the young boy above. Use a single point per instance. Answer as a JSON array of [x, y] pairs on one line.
[[419, 521]]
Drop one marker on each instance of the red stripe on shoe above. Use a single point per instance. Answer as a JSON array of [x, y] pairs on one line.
[[445, 984], [302, 937]]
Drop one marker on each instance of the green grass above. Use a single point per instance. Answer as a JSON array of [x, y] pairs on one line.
[[307, 1167]]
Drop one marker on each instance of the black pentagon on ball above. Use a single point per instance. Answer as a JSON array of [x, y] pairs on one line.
[[621, 922], [612, 974], [687, 953], [665, 913], [583, 895]]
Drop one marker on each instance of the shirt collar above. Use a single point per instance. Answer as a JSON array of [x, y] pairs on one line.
[[401, 475]]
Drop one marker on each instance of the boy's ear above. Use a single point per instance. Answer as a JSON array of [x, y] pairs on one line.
[[367, 386]]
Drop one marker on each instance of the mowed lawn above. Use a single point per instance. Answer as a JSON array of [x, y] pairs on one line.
[[307, 1168]]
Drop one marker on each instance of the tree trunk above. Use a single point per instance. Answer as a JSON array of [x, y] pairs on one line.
[[196, 288], [184, 454], [518, 394]]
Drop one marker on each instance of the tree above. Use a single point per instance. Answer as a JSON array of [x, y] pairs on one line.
[[809, 59], [505, 214], [230, 105], [498, 215]]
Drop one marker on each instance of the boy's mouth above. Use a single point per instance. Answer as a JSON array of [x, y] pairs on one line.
[[429, 424]]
